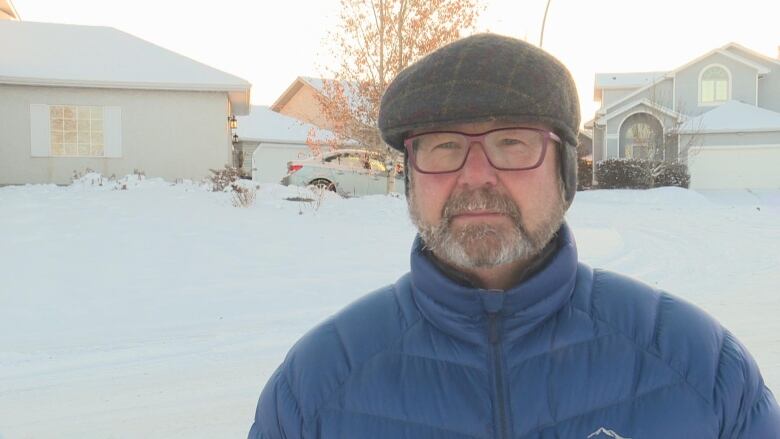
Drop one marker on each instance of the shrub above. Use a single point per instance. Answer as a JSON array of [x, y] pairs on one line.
[[223, 178], [242, 195], [584, 174], [624, 174], [671, 174], [640, 174]]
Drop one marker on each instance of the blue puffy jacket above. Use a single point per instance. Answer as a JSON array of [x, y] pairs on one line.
[[569, 353]]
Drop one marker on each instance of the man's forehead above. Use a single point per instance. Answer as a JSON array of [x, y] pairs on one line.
[[479, 127]]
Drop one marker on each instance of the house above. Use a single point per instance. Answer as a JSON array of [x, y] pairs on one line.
[[267, 140], [301, 101], [7, 11], [718, 113], [84, 97]]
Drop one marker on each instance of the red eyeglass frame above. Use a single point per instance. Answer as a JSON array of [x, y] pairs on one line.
[[480, 137]]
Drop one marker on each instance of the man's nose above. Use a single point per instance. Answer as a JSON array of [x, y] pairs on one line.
[[477, 171]]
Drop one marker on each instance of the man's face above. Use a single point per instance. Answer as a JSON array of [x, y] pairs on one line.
[[480, 217]]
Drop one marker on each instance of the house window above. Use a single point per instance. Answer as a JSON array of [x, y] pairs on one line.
[[641, 144], [76, 131], [642, 137], [714, 85]]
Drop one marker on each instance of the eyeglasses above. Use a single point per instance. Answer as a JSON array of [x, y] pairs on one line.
[[507, 149]]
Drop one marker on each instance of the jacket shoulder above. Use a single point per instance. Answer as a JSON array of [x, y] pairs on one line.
[[322, 360], [708, 358]]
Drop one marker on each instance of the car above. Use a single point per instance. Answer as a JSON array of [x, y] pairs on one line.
[[349, 172]]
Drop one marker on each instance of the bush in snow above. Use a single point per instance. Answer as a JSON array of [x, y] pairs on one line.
[[584, 174], [671, 174], [221, 179], [242, 196], [624, 174], [640, 174]]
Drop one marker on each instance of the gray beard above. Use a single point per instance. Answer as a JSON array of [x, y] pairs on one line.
[[484, 245]]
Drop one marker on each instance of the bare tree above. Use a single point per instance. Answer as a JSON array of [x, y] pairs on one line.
[[375, 40]]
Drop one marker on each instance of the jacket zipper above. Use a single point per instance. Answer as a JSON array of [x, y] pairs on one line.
[[494, 337]]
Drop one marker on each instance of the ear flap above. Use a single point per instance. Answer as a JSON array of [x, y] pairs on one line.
[[568, 167]]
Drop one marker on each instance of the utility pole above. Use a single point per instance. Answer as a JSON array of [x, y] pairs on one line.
[[544, 20]]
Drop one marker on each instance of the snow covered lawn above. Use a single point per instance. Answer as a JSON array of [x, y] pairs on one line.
[[161, 310]]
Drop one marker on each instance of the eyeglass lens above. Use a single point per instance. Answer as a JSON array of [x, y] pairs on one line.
[[513, 148]]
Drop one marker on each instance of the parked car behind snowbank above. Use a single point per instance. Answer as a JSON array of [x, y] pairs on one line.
[[350, 172]]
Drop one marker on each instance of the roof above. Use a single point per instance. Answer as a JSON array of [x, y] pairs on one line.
[[317, 84], [7, 10], [265, 125], [96, 56], [760, 68], [626, 80], [747, 50], [733, 117], [623, 81], [646, 102]]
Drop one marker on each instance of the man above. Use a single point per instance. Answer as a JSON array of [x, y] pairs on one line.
[[498, 331]]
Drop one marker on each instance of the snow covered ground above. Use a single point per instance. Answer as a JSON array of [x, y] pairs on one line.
[[160, 311]]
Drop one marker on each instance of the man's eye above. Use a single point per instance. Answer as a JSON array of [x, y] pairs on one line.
[[447, 145], [510, 141]]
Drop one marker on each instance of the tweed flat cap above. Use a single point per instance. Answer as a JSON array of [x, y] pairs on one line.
[[480, 78]]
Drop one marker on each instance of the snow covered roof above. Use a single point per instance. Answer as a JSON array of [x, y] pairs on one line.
[[626, 80], [97, 56], [732, 117], [7, 10], [266, 125], [623, 81]]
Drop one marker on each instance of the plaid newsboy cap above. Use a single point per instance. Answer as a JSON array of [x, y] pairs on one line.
[[480, 78]]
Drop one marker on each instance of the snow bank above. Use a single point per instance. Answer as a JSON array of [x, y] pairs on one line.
[[159, 311]]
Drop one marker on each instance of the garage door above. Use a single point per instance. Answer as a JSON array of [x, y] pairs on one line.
[[735, 167]]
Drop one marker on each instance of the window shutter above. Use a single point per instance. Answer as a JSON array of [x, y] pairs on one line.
[[112, 131], [40, 131]]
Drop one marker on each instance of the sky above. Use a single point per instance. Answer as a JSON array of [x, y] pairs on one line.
[[270, 43]]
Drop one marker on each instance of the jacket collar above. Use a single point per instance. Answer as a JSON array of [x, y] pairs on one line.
[[462, 310]]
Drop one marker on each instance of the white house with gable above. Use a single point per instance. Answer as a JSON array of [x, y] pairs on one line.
[[84, 97], [267, 140], [719, 113]]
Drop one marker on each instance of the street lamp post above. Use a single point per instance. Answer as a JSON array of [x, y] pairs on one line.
[[544, 20]]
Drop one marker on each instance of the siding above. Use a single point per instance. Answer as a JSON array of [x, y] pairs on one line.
[[743, 84], [168, 134], [769, 85], [613, 95], [660, 94], [598, 144], [304, 105]]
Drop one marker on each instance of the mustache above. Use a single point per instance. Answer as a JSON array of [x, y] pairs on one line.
[[481, 199]]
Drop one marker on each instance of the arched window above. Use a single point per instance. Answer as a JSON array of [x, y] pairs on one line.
[[714, 85], [642, 137]]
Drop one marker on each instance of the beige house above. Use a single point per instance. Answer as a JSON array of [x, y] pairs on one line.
[[7, 11], [74, 98], [300, 101]]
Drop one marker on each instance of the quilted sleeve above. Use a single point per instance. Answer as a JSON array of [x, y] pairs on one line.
[[278, 415], [748, 409]]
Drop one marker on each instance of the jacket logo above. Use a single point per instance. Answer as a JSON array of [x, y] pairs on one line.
[[602, 433]]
